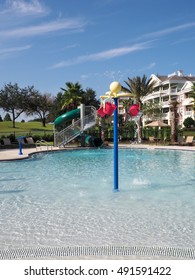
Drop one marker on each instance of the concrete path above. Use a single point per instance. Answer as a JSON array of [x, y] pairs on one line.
[[13, 154]]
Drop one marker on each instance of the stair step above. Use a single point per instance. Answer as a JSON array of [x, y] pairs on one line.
[[71, 132]]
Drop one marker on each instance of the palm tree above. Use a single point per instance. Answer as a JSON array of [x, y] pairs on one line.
[[140, 87], [72, 96], [173, 106], [152, 110], [89, 98], [126, 104]]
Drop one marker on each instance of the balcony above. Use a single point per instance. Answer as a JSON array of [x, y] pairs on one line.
[[165, 103], [189, 114], [173, 90], [187, 102], [164, 92], [165, 116], [149, 97]]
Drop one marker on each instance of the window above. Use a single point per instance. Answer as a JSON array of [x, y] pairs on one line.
[[165, 110]]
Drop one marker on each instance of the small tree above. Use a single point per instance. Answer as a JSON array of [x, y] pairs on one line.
[[13, 100], [1, 119], [39, 104], [189, 122], [152, 110], [7, 118], [56, 109]]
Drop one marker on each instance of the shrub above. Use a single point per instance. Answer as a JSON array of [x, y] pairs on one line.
[[189, 122], [36, 137], [48, 137], [12, 138]]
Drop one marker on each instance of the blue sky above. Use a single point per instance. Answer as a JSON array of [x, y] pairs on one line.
[[47, 43]]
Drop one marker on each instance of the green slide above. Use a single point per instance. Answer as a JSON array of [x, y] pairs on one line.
[[86, 140], [67, 117]]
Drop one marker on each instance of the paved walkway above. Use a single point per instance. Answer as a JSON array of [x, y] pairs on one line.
[[13, 154]]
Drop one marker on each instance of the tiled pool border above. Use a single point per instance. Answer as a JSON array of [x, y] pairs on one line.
[[98, 252]]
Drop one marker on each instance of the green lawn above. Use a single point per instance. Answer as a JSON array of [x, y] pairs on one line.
[[36, 128], [25, 128], [189, 133]]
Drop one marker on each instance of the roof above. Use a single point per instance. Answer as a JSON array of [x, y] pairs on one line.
[[176, 78]]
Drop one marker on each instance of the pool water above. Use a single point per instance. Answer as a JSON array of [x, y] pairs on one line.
[[66, 199]]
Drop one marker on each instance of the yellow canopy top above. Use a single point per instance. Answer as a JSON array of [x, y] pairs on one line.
[[115, 88], [117, 95]]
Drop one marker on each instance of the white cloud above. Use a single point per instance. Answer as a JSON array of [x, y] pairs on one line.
[[104, 55], [148, 67], [169, 30], [66, 24], [183, 40], [9, 51], [84, 77], [21, 7], [71, 46]]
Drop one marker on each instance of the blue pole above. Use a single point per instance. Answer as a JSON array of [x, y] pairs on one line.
[[116, 145], [20, 147]]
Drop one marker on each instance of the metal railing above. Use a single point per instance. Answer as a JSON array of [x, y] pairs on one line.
[[69, 133], [40, 143]]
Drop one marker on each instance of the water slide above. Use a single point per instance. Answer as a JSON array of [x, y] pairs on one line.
[[74, 114], [64, 134]]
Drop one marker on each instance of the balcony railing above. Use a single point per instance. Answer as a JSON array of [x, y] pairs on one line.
[[165, 115], [189, 114], [165, 103], [173, 90], [187, 101]]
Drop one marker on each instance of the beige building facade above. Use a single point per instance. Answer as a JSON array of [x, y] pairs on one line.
[[175, 86]]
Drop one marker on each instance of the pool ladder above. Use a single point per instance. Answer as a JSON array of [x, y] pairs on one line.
[[41, 143]]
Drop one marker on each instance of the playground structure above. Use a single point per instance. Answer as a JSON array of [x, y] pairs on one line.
[[114, 94], [108, 108], [83, 118]]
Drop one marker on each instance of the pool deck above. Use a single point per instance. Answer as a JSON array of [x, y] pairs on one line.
[[13, 154]]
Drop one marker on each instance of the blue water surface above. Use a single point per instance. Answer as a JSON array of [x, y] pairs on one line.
[[66, 199]]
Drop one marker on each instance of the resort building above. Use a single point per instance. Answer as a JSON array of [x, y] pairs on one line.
[[174, 87]]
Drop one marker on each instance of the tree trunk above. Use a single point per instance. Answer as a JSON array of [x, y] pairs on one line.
[[173, 128], [13, 119], [44, 122], [140, 130]]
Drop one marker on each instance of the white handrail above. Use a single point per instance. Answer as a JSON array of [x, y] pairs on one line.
[[67, 134], [42, 143]]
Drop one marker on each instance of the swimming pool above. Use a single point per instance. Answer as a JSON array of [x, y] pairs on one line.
[[66, 199]]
